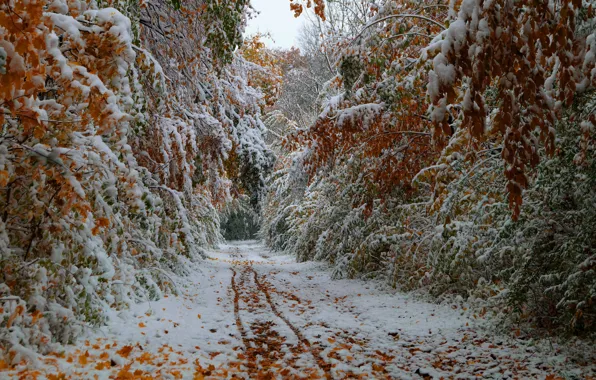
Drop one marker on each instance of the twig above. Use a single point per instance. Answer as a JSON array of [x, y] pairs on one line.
[[10, 298], [168, 276], [398, 16], [28, 264]]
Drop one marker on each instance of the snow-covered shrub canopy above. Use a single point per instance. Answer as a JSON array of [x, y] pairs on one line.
[[117, 123], [449, 148]]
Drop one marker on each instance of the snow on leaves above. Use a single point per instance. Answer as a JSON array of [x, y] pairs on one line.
[[441, 120], [532, 55], [115, 123]]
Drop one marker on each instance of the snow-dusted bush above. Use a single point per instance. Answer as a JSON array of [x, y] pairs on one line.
[[538, 269], [453, 163], [115, 143]]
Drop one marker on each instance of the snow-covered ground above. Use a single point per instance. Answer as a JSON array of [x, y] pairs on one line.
[[248, 313]]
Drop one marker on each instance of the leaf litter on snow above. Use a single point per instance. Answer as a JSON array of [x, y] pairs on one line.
[[298, 322]]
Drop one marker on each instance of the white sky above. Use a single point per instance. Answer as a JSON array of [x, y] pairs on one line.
[[276, 18]]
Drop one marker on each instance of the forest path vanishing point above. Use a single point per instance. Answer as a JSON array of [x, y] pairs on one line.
[[246, 313]]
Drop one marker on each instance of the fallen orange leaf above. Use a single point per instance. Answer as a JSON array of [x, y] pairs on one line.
[[59, 376], [83, 358], [124, 351], [102, 365]]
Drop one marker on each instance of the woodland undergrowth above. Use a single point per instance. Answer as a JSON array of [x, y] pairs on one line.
[[449, 149], [125, 127]]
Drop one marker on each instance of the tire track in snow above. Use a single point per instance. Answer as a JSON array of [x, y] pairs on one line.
[[315, 352], [264, 355], [251, 364]]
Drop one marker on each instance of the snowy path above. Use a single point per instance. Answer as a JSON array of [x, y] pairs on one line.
[[247, 314]]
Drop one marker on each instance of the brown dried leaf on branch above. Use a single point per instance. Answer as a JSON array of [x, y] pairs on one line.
[[298, 7]]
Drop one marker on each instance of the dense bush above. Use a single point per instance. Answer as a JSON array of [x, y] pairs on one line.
[[121, 125], [431, 168]]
